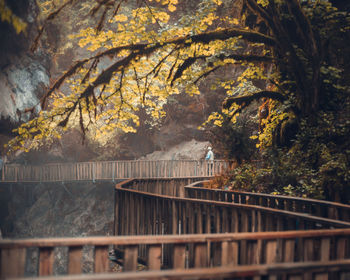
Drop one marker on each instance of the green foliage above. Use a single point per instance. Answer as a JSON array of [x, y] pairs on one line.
[[304, 140], [233, 140], [317, 165]]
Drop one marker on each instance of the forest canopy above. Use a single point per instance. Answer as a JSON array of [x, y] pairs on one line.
[[141, 53], [295, 53]]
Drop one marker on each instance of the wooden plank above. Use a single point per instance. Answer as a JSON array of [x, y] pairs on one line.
[[207, 218], [271, 251], [252, 248], [190, 214], [308, 250], [46, 259], [225, 220], [101, 259], [325, 249], [179, 258], [215, 253], [154, 257], [269, 222], [259, 252], [295, 277], [200, 255], [12, 262], [130, 258], [344, 276], [229, 253], [259, 221], [254, 221], [169, 239], [341, 248], [217, 219], [175, 221], [289, 250], [131, 217], [199, 214], [243, 252], [116, 212], [292, 271], [74, 260], [244, 221], [321, 276]]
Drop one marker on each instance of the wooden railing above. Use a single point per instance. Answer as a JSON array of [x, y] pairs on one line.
[[187, 251], [164, 186], [111, 170], [140, 213], [320, 208], [332, 270]]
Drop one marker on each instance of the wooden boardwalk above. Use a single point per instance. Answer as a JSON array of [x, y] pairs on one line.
[[172, 228], [316, 248], [111, 170]]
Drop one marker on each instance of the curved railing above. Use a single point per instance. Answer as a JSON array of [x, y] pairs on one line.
[[228, 238], [319, 208], [195, 190], [111, 170], [140, 212], [230, 254]]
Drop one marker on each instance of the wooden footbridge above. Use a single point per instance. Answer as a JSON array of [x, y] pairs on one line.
[[173, 228], [111, 170]]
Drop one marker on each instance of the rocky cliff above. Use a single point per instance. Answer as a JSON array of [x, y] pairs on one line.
[[56, 209]]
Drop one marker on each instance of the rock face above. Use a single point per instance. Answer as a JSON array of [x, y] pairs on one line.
[[21, 84], [56, 209], [185, 150], [24, 75]]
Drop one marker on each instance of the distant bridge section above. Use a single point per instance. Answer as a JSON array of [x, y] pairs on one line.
[[111, 170]]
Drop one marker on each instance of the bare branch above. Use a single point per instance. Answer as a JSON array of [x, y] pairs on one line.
[[59, 82], [50, 17], [185, 65], [206, 74]]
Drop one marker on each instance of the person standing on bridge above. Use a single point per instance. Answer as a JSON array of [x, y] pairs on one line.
[[210, 159]]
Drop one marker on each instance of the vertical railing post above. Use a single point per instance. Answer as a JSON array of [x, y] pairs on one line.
[[113, 171], [16, 173], [3, 172], [93, 172]]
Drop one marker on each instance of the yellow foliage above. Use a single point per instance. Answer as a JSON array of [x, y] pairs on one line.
[[8, 16], [145, 81]]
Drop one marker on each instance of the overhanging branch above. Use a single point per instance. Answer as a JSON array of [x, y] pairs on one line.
[[246, 100]]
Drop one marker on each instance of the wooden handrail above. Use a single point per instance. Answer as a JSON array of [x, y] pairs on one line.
[[321, 208], [8, 243], [292, 198], [164, 186], [316, 270], [187, 251]]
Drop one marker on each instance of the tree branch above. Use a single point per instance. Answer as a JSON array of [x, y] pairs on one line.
[[246, 100]]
